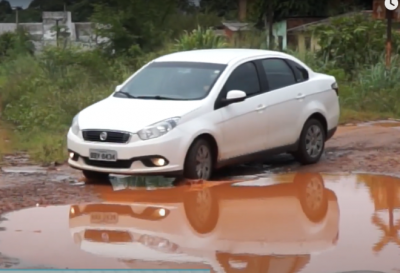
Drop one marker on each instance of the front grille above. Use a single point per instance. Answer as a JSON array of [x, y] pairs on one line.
[[119, 164], [107, 236], [113, 137]]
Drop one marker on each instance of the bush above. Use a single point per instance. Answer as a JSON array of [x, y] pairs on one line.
[[200, 38], [40, 95], [354, 42]]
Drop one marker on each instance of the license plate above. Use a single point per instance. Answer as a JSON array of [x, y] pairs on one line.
[[103, 155], [109, 218]]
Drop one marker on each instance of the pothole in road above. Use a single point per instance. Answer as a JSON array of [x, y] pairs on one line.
[[283, 220]]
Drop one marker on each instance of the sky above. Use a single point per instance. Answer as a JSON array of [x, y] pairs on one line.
[[20, 3]]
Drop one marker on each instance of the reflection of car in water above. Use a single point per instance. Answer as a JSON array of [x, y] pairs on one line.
[[248, 226]]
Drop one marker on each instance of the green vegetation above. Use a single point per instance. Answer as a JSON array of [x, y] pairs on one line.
[[40, 94]]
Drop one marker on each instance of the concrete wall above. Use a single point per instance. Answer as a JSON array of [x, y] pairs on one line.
[[80, 33]]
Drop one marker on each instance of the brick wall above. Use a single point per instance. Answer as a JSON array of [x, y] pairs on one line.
[[228, 32]]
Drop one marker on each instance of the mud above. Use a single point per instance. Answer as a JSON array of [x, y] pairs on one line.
[[25, 170], [296, 222], [369, 147]]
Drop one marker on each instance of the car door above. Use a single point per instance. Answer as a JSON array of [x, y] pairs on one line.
[[243, 127], [285, 101]]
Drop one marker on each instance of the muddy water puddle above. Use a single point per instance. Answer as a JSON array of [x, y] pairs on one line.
[[280, 223]]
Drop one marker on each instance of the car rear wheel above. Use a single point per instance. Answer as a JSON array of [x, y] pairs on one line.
[[91, 175], [312, 195], [311, 143], [199, 161]]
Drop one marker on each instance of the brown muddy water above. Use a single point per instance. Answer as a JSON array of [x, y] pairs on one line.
[[305, 222]]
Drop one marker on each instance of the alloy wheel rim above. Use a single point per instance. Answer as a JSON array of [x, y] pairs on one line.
[[314, 141], [203, 162], [314, 194], [203, 206]]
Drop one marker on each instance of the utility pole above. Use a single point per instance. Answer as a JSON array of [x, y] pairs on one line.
[[65, 11], [242, 10], [389, 18], [16, 8], [58, 28]]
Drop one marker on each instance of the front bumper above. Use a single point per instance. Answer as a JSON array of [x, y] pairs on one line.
[[133, 157]]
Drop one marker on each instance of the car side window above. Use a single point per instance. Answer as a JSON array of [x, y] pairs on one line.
[[299, 71], [244, 78], [278, 73]]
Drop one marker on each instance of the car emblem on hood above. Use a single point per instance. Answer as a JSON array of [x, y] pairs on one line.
[[103, 136]]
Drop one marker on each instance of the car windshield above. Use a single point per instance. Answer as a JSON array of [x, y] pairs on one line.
[[173, 80]]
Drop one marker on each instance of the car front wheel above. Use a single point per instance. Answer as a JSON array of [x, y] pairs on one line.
[[311, 143], [199, 161]]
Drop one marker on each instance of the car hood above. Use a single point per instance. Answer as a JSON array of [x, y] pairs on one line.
[[132, 115]]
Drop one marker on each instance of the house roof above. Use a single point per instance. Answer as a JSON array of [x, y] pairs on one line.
[[306, 27], [236, 26]]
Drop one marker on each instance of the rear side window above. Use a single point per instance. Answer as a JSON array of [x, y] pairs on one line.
[[278, 73], [299, 71]]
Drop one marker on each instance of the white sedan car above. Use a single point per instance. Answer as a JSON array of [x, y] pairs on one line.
[[188, 113]]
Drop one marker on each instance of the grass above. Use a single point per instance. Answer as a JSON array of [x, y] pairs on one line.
[[41, 94], [353, 116]]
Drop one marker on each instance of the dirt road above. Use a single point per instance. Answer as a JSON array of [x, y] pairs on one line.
[[371, 147]]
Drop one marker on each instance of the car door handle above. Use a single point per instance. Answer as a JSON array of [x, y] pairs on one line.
[[261, 107], [300, 96]]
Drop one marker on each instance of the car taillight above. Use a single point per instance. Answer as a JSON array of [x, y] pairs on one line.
[[335, 87]]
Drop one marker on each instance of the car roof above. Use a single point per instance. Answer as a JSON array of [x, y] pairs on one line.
[[217, 56]]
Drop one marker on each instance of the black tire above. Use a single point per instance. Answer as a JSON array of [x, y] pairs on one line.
[[191, 161], [312, 195], [302, 155], [202, 213], [95, 176]]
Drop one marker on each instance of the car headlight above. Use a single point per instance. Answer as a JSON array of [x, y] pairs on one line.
[[158, 129], [75, 126]]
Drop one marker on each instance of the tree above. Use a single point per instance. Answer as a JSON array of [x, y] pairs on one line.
[[47, 5], [222, 7], [5, 10], [133, 25], [5, 7], [81, 10]]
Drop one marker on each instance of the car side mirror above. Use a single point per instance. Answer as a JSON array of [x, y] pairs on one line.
[[118, 88], [234, 96]]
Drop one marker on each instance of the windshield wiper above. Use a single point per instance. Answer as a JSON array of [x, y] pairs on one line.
[[157, 98], [147, 97], [126, 94]]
